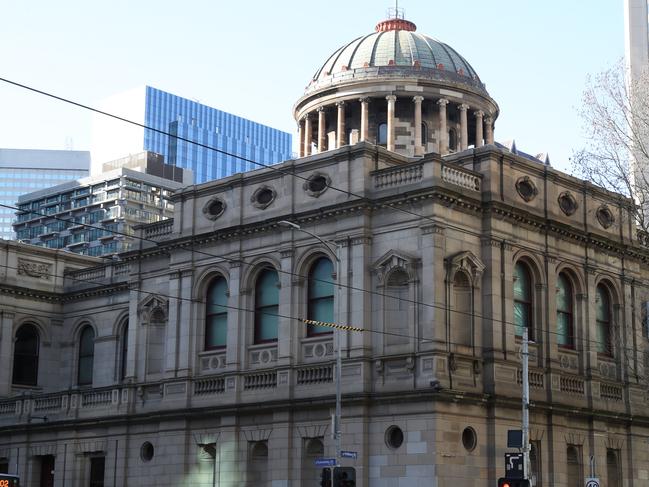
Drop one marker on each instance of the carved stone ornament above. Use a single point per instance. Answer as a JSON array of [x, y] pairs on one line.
[[395, 260], [526, 188], [605, 216], [214, 208], [316, 184], [567, 203], [263, 197], [465, 261], [35, 269]]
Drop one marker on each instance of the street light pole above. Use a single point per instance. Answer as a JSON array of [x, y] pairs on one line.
[[337, 431]]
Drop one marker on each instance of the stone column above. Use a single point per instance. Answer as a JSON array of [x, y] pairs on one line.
[[322, 126], [391, 101], [340, 129], [307, 135], [464, 127], [365, 123], [300, 138], [6, 351], [478, 128], [419, 149], [490, 130], [443, 129]]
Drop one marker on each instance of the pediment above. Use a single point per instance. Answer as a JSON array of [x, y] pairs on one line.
[[153, 308], [396, 260], [468, 262]]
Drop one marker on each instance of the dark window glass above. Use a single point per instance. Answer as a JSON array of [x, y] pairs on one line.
[[97, 467], [86, 356], [613, 471], [452, 139], [603, 318], [216, 315], [4, 466], [382, 134], [124, 350], [26, 356], [321, 296], [266, 306], [565, 327], [424, 134], [523, 300], [574, 466]]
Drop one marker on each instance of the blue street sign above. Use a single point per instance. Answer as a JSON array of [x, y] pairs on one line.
[[325, 462], [349, 454]]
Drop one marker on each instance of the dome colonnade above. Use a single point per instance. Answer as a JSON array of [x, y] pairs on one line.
[[399, 89]]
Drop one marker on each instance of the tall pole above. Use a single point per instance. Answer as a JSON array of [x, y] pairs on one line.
[[526, 406], [337, 432]]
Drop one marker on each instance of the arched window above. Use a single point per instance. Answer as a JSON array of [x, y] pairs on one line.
[[523, 300], [382, 134], [535, 462], [86, 356], [452, 139], [216, 314], [603, 319], [258, 463], [613, 468], [574, 466], [25, 371], [321, 296], [266, 306], [123, 350], [424, 134], [565, 324]]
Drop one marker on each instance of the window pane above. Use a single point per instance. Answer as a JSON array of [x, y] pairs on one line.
[[321, 292], [267, 290], [216, 330], [521, 283], [563, 329], [86, 356], [564, 298], [267, 323], [521, 318]]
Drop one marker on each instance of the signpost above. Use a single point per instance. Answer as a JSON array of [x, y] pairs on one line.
[[325, 462], [349, 454], [515, 465], [592, 482]]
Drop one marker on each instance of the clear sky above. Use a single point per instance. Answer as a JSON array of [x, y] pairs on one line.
[[254, 58]]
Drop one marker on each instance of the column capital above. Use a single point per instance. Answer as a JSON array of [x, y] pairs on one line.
[[365, 99], [478, 114], [488, 119], [391, 98], [340, 104], [417, 99], [463, 107], [306, 117], [321, 109], [442, 102]]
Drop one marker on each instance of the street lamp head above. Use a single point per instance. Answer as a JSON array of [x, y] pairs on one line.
[[286, 223]]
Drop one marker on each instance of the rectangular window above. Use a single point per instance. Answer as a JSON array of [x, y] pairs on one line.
[[97, 467], [4, 465]]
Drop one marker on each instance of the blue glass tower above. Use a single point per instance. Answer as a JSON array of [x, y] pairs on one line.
[[213, 128]]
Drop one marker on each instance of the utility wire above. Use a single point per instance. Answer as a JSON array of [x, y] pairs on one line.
[[245, 159], [341, 326], [309, 278]]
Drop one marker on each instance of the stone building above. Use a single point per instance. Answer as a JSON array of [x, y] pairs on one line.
[[188, 361]]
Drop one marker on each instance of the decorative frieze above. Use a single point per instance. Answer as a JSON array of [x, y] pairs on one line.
[[38, 270]]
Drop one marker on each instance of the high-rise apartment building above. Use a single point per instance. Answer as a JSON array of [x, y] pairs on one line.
[[27, 170], [164, 113], [95, 215]]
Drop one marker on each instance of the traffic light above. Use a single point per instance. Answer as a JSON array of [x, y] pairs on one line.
[[325, 477], [503, 482], [344, 477]]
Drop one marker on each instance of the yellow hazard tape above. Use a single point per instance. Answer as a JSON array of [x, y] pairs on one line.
[[333, 325]]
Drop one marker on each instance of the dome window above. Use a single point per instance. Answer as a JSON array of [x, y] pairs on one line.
[[416, 63], [382, 134], [452, 140]]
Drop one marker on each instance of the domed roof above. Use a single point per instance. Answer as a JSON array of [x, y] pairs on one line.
[[395, 49]]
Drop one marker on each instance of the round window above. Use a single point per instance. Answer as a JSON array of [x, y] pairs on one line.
[[394, 437], [469, 439], [318, 184], [146, 451], [526, 188], [265, 196], [215, 208]]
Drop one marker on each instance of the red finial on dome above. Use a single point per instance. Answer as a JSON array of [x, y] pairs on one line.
[[396, 21]]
